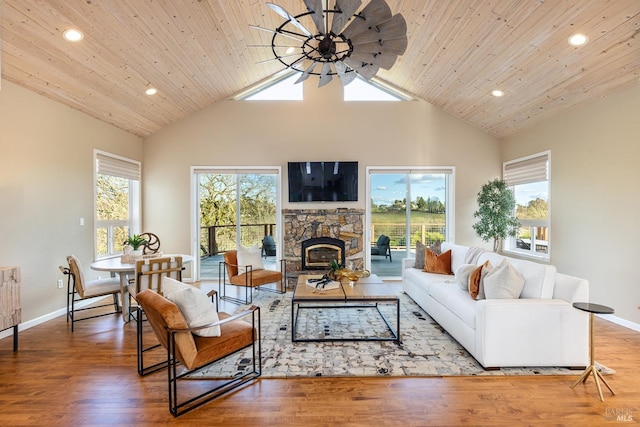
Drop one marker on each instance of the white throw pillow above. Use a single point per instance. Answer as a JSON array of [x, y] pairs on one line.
[[249, 256], [195, 305], [462, 275], [503, 282]]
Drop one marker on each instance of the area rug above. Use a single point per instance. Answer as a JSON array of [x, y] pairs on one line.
[[426, 349]]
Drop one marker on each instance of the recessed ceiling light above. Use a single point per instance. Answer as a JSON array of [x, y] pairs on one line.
[[151, 91], [578, 39], [290, 50], [497, 93], [72, 35]]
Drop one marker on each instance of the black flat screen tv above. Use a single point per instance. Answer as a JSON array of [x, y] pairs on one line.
[[323, 181]]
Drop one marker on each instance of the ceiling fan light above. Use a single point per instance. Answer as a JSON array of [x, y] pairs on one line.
[[72, 35], [578, 39]]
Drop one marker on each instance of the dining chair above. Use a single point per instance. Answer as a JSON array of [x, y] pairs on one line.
[[80, 289], [148, 275], [248, 276], [195, 352]]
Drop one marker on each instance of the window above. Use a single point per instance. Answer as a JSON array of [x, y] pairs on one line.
[[529, 179], [361, 90], [117, 202], [427, 217], [277, 89]]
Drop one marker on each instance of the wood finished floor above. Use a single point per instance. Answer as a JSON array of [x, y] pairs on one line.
[[59, 378]]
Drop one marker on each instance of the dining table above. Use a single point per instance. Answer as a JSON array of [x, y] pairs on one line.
[[115, 265]]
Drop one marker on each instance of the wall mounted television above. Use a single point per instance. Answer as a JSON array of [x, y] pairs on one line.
[[323, 181]]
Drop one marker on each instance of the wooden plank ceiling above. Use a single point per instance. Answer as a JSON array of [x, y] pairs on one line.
[[197, 52]]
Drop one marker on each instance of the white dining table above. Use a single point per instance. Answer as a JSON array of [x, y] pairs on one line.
[[124, 270]]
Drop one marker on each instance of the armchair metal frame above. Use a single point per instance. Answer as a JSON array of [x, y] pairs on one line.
[[223, 273], [172, 344]]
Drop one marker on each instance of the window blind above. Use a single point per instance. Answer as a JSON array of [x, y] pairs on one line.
[[107, 165], [533, 169]]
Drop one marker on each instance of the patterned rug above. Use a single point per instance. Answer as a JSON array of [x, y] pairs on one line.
[[425, 348]]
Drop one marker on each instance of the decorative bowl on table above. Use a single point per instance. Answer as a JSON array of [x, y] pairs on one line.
[[352, 275]]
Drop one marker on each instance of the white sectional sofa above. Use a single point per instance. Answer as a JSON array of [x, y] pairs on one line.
[[541, 328]]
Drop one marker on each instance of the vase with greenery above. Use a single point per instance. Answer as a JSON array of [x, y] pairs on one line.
[[334, 267], [496, 219], [136, 242]]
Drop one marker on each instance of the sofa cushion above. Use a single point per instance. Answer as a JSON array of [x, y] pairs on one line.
[[455, 300], [421, 251], [538, 278], [195, 305], [438, 263], [503, 282], [458, 253]]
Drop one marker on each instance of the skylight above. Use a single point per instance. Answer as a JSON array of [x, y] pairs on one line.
[[280, 90], [362, 90]]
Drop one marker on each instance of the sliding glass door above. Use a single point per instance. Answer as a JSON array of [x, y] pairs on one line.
[[234, 207], [406, 205]]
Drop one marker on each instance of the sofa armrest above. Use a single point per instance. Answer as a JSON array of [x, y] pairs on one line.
[[408, 263], [531, 332], [570, 289]]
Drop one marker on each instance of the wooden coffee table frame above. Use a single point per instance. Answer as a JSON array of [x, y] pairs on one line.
[[367, 293]]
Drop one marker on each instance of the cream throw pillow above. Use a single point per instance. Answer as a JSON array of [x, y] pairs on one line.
[[249, 256], [462, 275], [195, 305], [503, 282]]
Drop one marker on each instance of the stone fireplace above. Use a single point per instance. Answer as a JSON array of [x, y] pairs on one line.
[[343, 224]]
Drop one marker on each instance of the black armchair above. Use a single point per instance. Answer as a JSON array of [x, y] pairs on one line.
[[268, 246], [382, 247]]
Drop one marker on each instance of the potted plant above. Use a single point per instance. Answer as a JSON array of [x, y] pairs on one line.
[[334, 267], [496, 220], [136, 242]]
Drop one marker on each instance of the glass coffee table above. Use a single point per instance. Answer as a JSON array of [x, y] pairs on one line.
[[335, 314]]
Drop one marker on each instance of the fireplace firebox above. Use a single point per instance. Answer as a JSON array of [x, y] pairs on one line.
[[318, 252]]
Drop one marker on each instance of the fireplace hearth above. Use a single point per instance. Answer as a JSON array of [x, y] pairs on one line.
[[317, 253]]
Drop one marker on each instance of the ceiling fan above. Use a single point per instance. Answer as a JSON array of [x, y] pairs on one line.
[[346, 42]]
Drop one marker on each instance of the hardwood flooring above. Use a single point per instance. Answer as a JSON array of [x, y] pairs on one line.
[[59, 378]]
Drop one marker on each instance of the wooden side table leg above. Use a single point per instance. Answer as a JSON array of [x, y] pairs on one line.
[[15, 338]]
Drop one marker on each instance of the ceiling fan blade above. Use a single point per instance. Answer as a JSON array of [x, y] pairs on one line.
[[394, 28], [385, 61], [345, 75], [348, 8], [396, 46], [300, 39], [363, 69], [286, 15], [375, 13], [305, 75], [325, 76], [315, 6]]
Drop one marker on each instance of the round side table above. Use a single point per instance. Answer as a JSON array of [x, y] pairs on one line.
[[591, 369]]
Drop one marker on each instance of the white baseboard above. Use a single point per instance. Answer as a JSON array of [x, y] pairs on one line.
[[619, 321], [45, 318]]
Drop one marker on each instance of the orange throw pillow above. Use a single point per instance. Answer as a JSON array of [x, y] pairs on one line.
[[474, 281], [440, 264]]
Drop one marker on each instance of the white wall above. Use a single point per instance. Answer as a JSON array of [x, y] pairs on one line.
[[46, 186], [595, 226], [323, 127]]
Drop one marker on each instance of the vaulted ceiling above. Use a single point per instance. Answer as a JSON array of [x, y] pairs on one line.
[[198, 52]]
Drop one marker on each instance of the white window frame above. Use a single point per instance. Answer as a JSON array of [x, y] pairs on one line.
[[526, 170], [449, 171], [131, 170]]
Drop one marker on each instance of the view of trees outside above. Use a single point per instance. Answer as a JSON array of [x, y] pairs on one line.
[[219, 198], [532, 205], [426, 218], [112, 210]]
